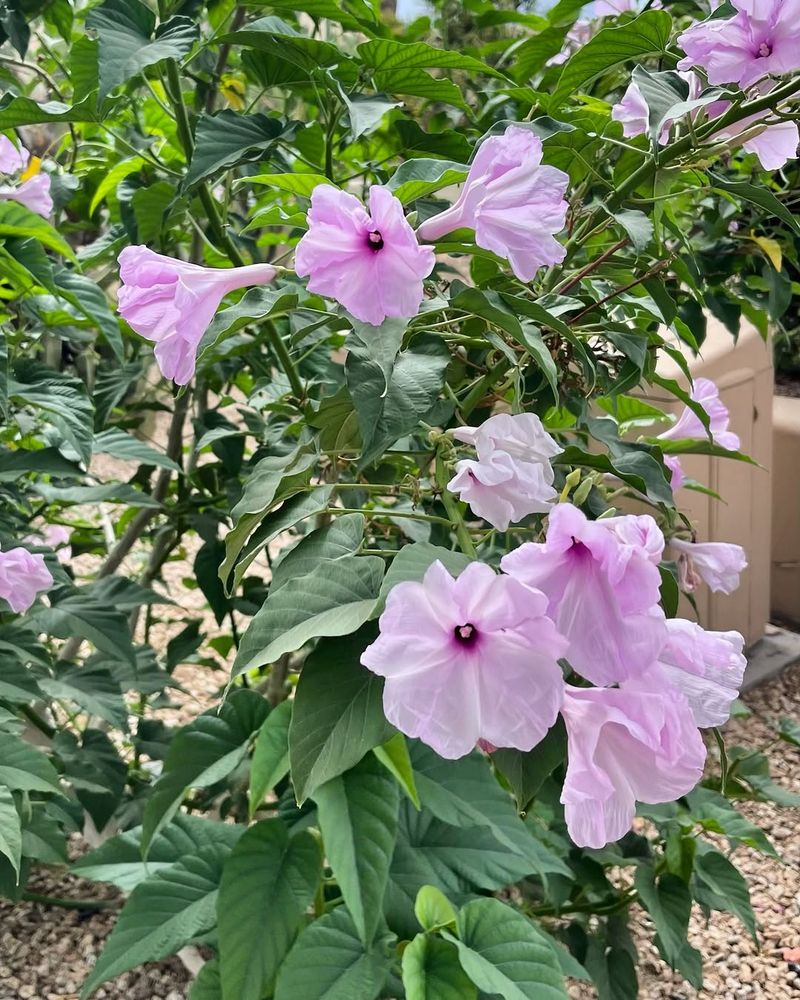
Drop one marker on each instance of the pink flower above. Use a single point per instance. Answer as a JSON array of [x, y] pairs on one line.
[[677, 477], [716, 563], [34, 194], [22, 575], [688, 425], [513, 476], [640, 533], [761, 39], [13, 158], [370, 263], [706, 667], [469, 659], [57, 536], [172, 302], [514, 203], [625, 746], [603, 593]]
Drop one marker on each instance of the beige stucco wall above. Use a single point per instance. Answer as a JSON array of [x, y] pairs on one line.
[[785, 580], [743, 372]]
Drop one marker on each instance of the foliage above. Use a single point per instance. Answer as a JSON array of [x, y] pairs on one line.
[[311, 847]]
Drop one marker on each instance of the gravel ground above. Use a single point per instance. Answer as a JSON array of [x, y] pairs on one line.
[[46, 952]]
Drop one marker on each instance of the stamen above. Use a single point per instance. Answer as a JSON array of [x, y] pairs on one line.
[[466, 634], [765, 49], [375, 241]]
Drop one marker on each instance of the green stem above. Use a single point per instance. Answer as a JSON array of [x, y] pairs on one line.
[[479, 390], [723, 761], [71, 904], [390, 513], [219, 233], [453, 511]]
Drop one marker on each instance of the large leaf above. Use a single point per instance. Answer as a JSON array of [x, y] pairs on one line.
[[758, 195], [286, 44], [721, 886], [357, 814], [114, 441], [465, 793], [431, 971], [78, 613], [333, 599], [527, 772], [90, 300], [646, 35], [385, 414], [126, 44], [669, 903], [202, 753], [328, 962], [389, 55], [228, 138], [61, 396], [17, 220], [93, 689], [119, 860], [504, 954], [457, 860], [10, 830], [24, 768], [164, 913], [420, 177], [270, 763], [338, 714], [16, 111], [267, 883]]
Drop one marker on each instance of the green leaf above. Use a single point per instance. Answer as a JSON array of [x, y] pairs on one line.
[[255, 306], [91, 302], [274, 478], [151, 209], [716, 814], [342, 537], [112, 493], [24, 768], [286, 44], [636, 468], [757, 195], [228, 137], [10, 830], [16, 111], [300, 184], [163, 914], [202, 753], [77, 613], [270, 763], [119, 860], [503, 953], [457, 860], [411, 563], [366, 113], [645, 35], [337, 715], [466, 793], [114, 441], [388, 55], [267, 882], [394, 756], [431, 971], [357, 814], [61, 396], [126, 44], [207, 985], [92, 689], [527, 772], [328, 962], [433, 909], [384, 414], [420, 177], [334, 599], [669, 903], [721, 886]]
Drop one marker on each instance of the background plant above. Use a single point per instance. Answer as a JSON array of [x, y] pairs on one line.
[[200, 130]]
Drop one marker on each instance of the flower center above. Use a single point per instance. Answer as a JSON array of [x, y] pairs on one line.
[[465, 634], [765, 49], [375, 241]]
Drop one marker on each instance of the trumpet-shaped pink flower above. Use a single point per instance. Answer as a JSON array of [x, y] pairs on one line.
[[468, 659], [706, 667], [172, 302], [677, 477], [514, 203], [625, 746], [370, 263], [513, 476], [13, 158], [57, 536], [688, 425], [640, 535], [761, 39], [603, 592], [34, 194], [22, 575], [718, 564]]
